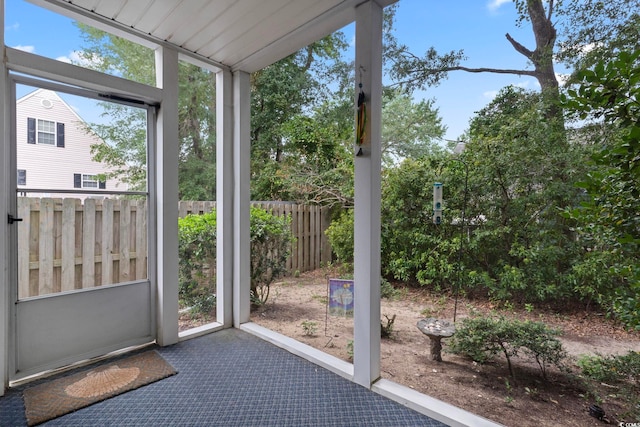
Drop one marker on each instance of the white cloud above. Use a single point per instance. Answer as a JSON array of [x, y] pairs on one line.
[[494, 5], [562, 78], [74, 58], [490, 94], [12, 27], [524, 84], [29, 49]]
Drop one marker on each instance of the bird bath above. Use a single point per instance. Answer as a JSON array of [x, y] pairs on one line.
[[436, 329]]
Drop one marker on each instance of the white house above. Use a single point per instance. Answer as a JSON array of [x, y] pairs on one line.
[[53, 148]]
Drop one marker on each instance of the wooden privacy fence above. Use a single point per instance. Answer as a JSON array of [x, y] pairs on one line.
[[67, 244], [64, 244]]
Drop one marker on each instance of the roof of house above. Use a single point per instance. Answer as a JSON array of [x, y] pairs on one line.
[[244, 35], [49, 94]]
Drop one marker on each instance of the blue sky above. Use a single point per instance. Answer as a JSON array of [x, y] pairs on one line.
[[476, 26]]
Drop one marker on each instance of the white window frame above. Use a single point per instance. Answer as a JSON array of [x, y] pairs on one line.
[[41, 132], [88, 178]]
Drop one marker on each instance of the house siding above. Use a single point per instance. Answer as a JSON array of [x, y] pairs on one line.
[[51, 166]]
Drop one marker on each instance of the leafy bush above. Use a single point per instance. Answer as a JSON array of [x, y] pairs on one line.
[[270, 244], [607, 218], [621, 370], [350, 349], [309, 328], [270, 247], [340, 234], [387, 290], [612, 368], [413, 249], [481, 339], [197, 261]]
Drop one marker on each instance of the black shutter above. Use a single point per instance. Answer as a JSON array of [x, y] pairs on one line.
[[31, 130], [102, 185], [60, 135], [77, 180]]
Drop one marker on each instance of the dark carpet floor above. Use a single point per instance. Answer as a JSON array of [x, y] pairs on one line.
[[231, 378]]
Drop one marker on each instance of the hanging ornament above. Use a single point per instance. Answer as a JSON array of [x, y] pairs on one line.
[[361, 121]]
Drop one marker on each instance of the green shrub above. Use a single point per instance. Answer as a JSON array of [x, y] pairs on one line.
[[350, 349], [481, 339], [340, 234], [413, 249], [197, 261], [309, 328], [612, 368], [621, 370], [270, 245], [387, 290], [539, 342]]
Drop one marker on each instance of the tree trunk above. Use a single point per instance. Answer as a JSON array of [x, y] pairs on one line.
[[542, 56]]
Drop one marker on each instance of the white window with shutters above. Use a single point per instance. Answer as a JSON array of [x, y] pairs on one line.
[[46, 132], [54, 146], [89, 181]]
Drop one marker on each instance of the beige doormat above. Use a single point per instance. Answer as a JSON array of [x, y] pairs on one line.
[[58, 397]]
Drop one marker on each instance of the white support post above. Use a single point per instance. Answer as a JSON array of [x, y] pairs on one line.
[[165, 189], [224, 196], [5, 285], [241, 201], [366, 348]]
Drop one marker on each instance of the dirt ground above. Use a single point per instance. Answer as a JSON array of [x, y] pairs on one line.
[[486, 390]]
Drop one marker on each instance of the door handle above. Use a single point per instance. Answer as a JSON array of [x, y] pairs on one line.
[[13, 219]]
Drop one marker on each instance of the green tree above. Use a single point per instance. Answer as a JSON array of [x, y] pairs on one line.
[[608, 222], [282, 127], [409, 129], [124, 138], [595, 30], [413, 248], [570, 31], [123, 146], [519, 179], [319, 166], [413, 71]]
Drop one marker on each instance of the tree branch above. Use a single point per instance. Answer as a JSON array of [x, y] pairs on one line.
[[493, 70], [477, 70], [519, 47]]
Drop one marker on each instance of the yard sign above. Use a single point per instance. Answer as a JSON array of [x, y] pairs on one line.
[[341, 297]]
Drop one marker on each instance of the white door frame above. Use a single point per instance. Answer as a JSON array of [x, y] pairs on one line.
[[81, 81]]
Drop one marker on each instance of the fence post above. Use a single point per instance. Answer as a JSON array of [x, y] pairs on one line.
[[89, 243], [24, 212], [68, 267]]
